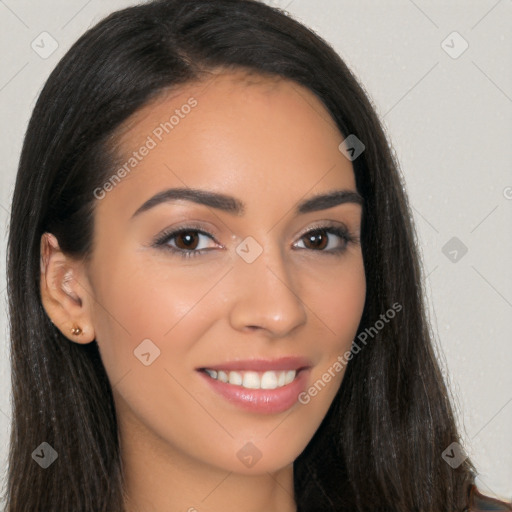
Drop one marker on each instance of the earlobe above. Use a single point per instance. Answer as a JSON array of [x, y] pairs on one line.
[[64, 293]]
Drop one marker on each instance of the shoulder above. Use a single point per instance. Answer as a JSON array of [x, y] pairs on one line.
[[478, 502]]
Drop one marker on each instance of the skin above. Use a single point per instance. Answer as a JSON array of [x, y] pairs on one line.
[[269, 143]]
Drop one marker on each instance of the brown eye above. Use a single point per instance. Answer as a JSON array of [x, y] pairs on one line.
[[316, 239], [329, 239], [186, 240]]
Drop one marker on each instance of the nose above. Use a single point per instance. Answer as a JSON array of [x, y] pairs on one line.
[[266, 296]]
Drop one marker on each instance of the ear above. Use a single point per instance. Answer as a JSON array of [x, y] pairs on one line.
[[65, 291]]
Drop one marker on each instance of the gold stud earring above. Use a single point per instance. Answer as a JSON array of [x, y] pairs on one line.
[[76, 331]]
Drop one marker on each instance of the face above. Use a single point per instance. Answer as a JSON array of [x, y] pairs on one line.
[[240, 278]]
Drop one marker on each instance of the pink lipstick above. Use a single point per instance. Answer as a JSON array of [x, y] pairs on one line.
[[257, 385]]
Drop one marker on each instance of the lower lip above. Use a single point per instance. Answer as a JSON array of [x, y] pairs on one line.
[[262, 401]]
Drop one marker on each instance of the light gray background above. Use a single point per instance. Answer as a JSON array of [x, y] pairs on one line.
[[449, 120]]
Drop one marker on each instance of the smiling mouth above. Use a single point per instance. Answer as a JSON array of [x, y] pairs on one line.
[[269, 379]]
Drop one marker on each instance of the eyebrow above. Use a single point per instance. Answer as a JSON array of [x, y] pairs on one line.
[[234, 206]]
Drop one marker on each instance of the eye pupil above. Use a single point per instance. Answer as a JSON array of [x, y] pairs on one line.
[[189, 237], [317, 239]]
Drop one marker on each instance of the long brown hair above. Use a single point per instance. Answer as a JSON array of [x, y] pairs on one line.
[[380, 445]]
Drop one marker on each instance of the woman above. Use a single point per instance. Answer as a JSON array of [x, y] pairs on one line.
[[286, 364]]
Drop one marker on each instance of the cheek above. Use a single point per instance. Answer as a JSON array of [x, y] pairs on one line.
[[347, 300], [149, 326], [339, 309], [142, 310], [337, 298]]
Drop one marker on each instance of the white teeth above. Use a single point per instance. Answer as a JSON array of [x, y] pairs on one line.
[[235, 378], [254, 380], [290, 375], [251, 380], [212, 373], [269, 380], [222, 376]]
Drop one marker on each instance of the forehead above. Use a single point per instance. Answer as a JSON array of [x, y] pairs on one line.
[[249, 133], [224, 99]]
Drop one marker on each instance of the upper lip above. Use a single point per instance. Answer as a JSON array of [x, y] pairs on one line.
[[261, 365]]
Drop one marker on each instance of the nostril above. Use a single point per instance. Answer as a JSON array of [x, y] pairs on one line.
[[252, 327]]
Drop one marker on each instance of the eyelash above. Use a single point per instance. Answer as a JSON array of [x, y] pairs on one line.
[[166, 236]]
